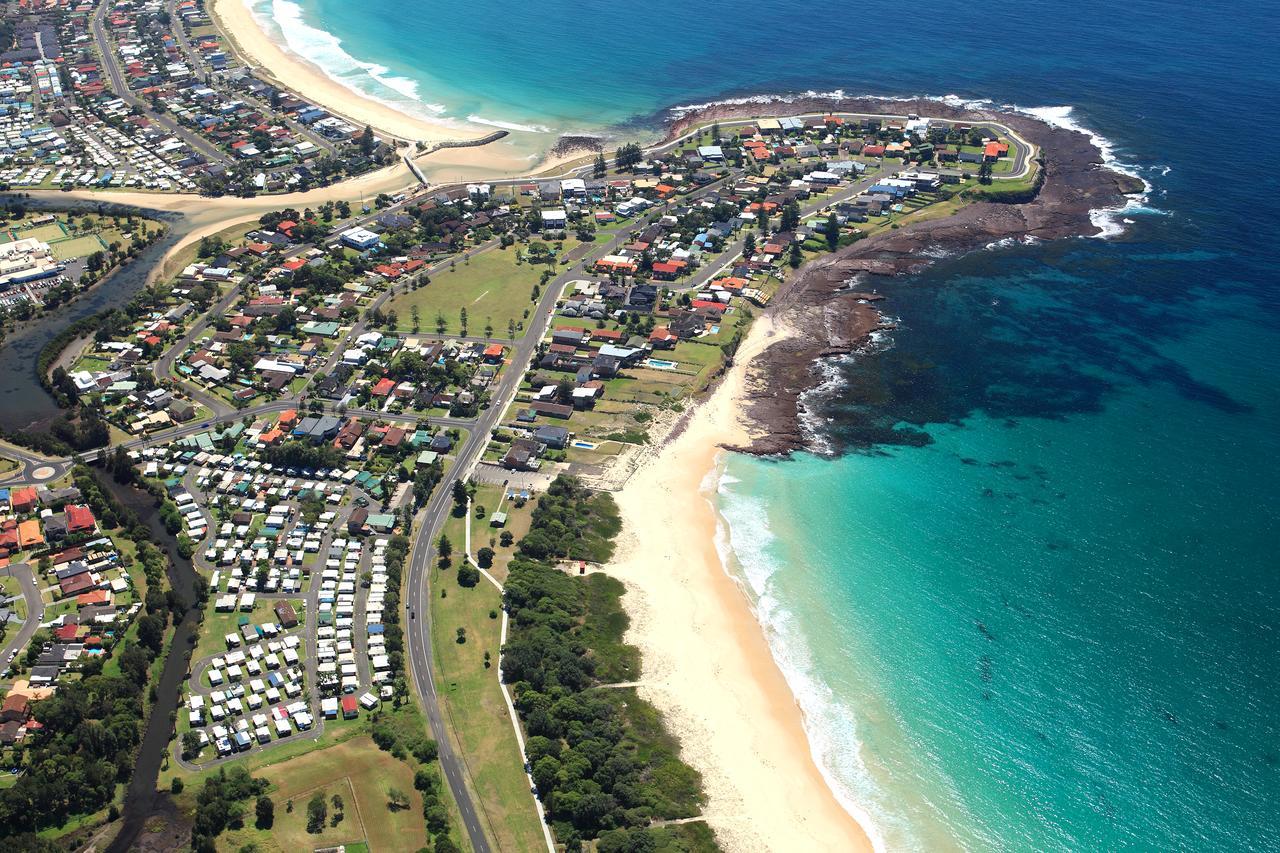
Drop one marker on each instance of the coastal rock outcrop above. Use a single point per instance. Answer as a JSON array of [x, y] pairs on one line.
[[836, 318]]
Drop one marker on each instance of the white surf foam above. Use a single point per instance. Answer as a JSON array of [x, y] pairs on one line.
[[745, 543], [508, 125], [1109, 221], [285, 22]]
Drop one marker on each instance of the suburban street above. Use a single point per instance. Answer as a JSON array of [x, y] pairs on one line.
[[18, 637], [111, 62], [431, 517]]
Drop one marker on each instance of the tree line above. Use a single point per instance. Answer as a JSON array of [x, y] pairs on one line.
[[602, 764]]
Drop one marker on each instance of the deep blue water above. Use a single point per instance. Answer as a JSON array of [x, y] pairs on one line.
[[1030, 601]]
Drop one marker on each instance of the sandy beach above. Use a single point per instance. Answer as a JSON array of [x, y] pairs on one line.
[[295, 73], [707, 665], [517, 155]]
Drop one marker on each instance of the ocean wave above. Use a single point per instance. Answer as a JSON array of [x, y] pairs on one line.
[[747, 547], [1109, 221], [325, 51], [285, 22], [509, 125]]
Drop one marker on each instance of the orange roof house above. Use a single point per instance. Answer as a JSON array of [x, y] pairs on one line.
[[662, 337], [29, 533], [96, 596], [287, 418]]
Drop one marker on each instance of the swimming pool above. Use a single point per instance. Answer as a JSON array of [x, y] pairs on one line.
[[660, 364], [585, 445]]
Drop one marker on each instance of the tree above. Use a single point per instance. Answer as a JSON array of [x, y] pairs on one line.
[[460, 494], [484, 557], [317, 813], [462, 635], [628, 156], [749, 245], [833, 232], [468, 575], [416, 314], [794, 257], [190, 744], [506, 538], [366, 141], [397, 800], [790, 216], [600, 167], [264, 813], [984, 173]]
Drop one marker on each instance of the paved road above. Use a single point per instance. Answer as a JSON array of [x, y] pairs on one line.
[[29, 461], [18, 637], [197, 66], [431, 518], [111, 61]]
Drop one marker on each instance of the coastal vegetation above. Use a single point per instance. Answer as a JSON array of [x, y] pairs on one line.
[[601, 760]]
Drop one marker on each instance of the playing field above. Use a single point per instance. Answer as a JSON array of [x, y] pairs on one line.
[[491, 286], [359, 773], [76, 247]]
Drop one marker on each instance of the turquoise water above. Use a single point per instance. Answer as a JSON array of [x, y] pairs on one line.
[[1052, 627], [1029, 596]]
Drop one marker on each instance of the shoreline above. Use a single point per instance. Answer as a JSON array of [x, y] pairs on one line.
[[453, 150], [277, 64], [1080, 188], [280, 65], [730, 705]]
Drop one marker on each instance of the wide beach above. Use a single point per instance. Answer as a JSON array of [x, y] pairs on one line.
[[707, 665], [518, 154]]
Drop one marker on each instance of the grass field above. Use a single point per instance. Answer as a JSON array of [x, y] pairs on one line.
[[493, 288], [76, 247], [11, 587], [362, 775], [45, 233], [473, 705], [490, 497]]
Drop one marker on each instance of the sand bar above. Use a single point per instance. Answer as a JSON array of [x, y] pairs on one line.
[[707, 665]]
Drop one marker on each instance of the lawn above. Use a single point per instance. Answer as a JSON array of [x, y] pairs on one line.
[[44, 233], [216, 626], [491, 286], [518, 520], [473, 705], [92, 363], [358, 772], [11, 587], [77, 247]]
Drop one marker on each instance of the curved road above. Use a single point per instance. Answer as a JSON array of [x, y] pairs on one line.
[[17, 640], [430, 519]]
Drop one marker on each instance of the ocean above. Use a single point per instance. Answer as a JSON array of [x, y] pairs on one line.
[[1028, 592]]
